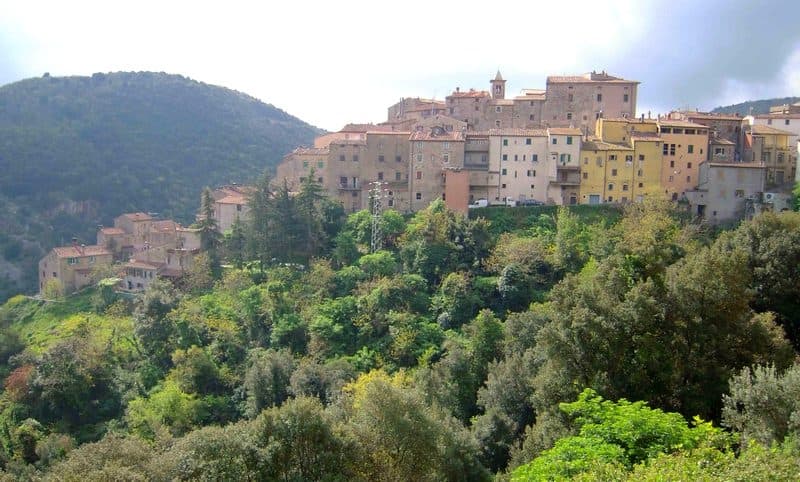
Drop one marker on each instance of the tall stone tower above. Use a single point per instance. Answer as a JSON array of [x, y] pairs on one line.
[[498, 87]]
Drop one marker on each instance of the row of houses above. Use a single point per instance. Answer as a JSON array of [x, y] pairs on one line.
[[575, 142], [138, 248]]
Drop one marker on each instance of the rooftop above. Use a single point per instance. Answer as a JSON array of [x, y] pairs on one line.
[[709, 116], [721, 141], [457, 136], [315, 151], [588, 77], [233, 199], [740, 165], [767, 130], [645, 136], [365, 128], [512, 131], [137, 216], [470, 93], [598, 145], [680, 123], [81, 251], [564, 131], [141, 264], [112, 231]]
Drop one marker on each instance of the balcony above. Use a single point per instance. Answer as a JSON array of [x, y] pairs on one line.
[[349, 187], [566, 178]]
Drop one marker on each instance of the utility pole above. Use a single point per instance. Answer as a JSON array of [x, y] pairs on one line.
[[376, 196]]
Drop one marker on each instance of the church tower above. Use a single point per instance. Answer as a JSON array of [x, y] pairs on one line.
[[498, 87]]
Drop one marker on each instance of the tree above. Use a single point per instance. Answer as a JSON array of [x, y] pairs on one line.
[[266, 381], [210, 238], [260, 227], [235, 243], [154, 331], [764, 404]]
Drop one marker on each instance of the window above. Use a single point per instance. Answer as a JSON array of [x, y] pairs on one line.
[[380, 176], [534, 157], [640, 173], [672, 149], [505, 142], [391, 201], [238, 208], [319, 180], [671, 163], [305, 163], [534, 175], [72, 260], [503, 186], [629, 159], [497, 123], [624, 187], [446, 157], [505, 157], [528, 141], [739, 193], [641, 184], [355, 157], [530, 173], [569, 115], [613, 172], [586, 175], [691, 149], [688, 178], [381, 158], [610, 187], [612, 157], [397, 176], [398, 159], [688, 165], [666, 130], [624, 97], [418, 196], [569, 140], [498, 109], [516, 157], [446, 146], [419, 174], [503, 172], [565, 158], [419, 157], [671, 179], [690, 131], [641, 157], [570, 97], [666, 149], [343, 181], [554, 141], [599, 97], [55, 275], [515, 174], [320, 164], [341, 157], [786, 122]]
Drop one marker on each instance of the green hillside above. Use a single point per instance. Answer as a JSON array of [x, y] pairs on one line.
[[77, 151], [758, 106]]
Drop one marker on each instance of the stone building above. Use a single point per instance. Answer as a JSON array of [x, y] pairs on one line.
[[522, 156], [580, 100], [72, 266], [719, 126], [685, 146], [771, 147], [431, 153], [726, 191], [563, 169]]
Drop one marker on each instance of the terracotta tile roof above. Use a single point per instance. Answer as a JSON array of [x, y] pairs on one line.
[[564, 131], [389, 133], [365, 128], [349, 142], [428, 136], [142, 264], [314, 151], [590, 77], [767, 130], [530, 94], [680, 123], [112, 231], [137, 216], [470, 93], [598, 145], [81, 251], [233, 199], [164, 225], [518, 132], [501, 102], [709, 116], [720, 141], [481, 134]]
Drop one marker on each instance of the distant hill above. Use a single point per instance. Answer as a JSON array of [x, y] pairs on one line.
[[77, 151], [758, 106]]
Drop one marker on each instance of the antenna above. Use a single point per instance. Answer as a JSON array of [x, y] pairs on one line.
[[376, 196]]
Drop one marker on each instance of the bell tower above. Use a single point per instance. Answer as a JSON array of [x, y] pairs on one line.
[[498, 87]]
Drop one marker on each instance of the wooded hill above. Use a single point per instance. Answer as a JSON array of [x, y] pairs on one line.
[[759, 106], [77, 151], [532, 343]]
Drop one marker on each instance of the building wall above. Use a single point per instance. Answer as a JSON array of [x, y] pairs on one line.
[[429, 156], [72, 277], [522, 157], [683, 149], [563, 168], [724, 190], [576, 103], [456, 190]]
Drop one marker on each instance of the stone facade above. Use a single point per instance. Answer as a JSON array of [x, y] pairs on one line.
[[71, 266], [685, 146], [726, 191]]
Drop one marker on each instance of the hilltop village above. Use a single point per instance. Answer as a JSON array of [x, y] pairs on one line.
[[578, 141]]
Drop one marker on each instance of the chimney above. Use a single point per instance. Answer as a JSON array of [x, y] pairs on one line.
[[458, 89]]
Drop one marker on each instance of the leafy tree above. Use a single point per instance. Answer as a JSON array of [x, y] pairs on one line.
[[195, 371], [235, 243], [210, 238], [154, 331], [380, 263], [764, 404], [266, 381], [167, 410], [260, 230], [323, 381], [112, 458], [455, 301]]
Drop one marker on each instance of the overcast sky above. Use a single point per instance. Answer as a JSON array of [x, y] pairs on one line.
[[333, 62]]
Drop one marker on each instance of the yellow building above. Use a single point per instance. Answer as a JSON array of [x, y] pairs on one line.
[[621, 163], [771, 147]]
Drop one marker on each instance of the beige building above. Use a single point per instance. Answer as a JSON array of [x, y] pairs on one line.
[[580, 100], [727, 191], [564, 168], [771, 147], [71, 266], [685, 146], [483, 172], [721, 150], [719, 126], [522, 157], [431, 153]]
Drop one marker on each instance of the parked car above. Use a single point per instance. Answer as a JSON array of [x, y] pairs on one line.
[[531, 202], [479, 203]]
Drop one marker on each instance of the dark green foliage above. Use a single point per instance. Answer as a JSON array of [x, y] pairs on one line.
[[78, 151], [754, 107]]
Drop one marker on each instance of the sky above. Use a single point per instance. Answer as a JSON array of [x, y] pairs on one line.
[[334, 62]]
